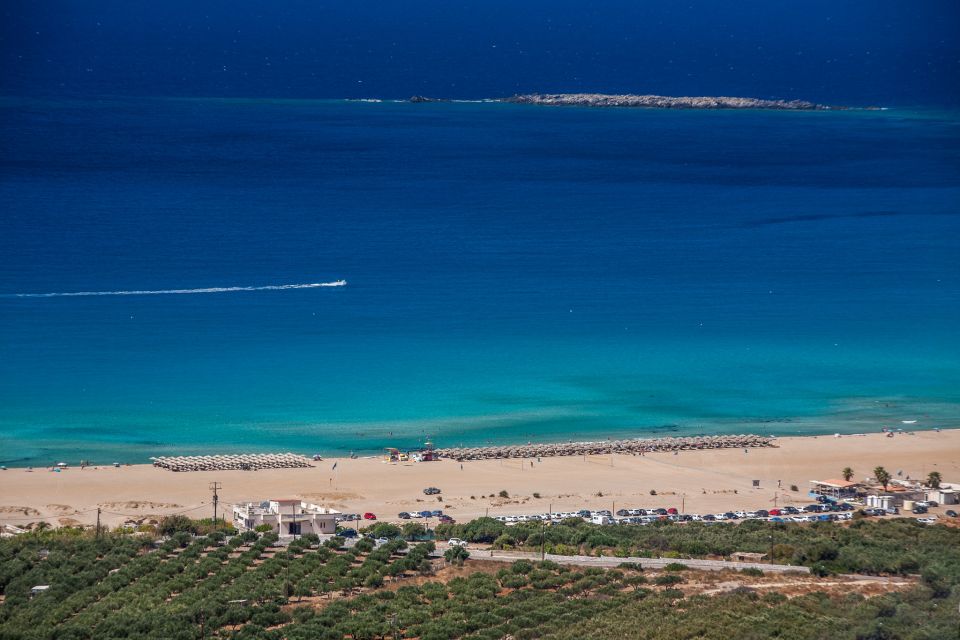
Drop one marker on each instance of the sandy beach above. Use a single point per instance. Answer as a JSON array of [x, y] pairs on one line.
[[707, 481]]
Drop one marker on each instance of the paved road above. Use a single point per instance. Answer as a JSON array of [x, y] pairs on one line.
[[646, 563]]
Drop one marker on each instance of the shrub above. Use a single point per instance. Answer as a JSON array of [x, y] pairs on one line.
[[668, 579], [751, 571], [653, 492], [175, 524], [536, 495], [676, 566], [456, 555], [504, 494], [504, 541]]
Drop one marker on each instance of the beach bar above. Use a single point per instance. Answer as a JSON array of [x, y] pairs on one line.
[[834, 489]]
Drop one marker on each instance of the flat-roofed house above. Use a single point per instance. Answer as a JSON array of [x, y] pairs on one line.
[[286, 517], [944, 496]]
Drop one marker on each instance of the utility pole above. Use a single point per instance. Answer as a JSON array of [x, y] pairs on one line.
[[683, 502], [214, 486], [543, 536], [98, 522]]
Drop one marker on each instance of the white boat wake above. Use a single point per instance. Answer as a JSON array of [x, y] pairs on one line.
[[164, 292]]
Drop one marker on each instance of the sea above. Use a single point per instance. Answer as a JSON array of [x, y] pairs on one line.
[[513, 273]]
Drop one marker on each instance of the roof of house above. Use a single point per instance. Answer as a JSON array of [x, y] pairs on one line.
[[833, 482]]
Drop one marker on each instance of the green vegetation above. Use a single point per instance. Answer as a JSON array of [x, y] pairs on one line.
[[934, 479], [847, 473], [456, 555], [248, 586], [883, 476], [900, 546]]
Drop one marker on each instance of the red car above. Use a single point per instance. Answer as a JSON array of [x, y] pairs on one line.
[[672, 511], [369, 516], [775, 512]]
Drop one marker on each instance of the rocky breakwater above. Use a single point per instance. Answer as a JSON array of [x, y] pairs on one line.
[[661, 102], [631, 446]]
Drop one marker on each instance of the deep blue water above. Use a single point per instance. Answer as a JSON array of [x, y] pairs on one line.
[[855, 52], [515, 273]]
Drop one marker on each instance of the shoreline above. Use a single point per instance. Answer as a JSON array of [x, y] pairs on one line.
[[703, 481], [410, 442]]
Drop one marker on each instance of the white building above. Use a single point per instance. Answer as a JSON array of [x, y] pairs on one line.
[[881, 502], [286, 517], [944, 496]]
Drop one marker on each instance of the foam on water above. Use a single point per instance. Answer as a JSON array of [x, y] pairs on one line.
[[269, 287]]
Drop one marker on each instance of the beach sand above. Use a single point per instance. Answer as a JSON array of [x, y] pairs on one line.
[[701, 481]]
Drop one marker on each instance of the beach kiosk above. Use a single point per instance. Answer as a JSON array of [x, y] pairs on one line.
[[833, 490]]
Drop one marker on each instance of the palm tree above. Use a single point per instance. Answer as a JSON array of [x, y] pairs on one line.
[[882, 476], [847, 473], [933, 479]]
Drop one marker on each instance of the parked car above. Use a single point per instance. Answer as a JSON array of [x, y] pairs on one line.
[[790, 510], [457, 542], [762, 513], [347, 533], [919, 509], [445, 519], [583, 513], [431, 491], [671, 511], [929, 520], [369, 516], [950, 513], [403, 515], [710, 517], [623, 512], [425, 514], [775, 512], [437, 513]]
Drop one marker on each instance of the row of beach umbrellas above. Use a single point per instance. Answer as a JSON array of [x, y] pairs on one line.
[[246, 462], [608, 447]]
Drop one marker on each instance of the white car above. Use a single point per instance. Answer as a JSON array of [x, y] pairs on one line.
[[740, 514], [931, 520], [696, 517], [720, 516]]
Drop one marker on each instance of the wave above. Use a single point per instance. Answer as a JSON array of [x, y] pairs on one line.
[[163, 292]]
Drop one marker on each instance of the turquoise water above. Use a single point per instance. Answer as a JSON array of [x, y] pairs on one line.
[[514, 273]]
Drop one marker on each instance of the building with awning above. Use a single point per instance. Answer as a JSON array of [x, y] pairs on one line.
[[834, 489]]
